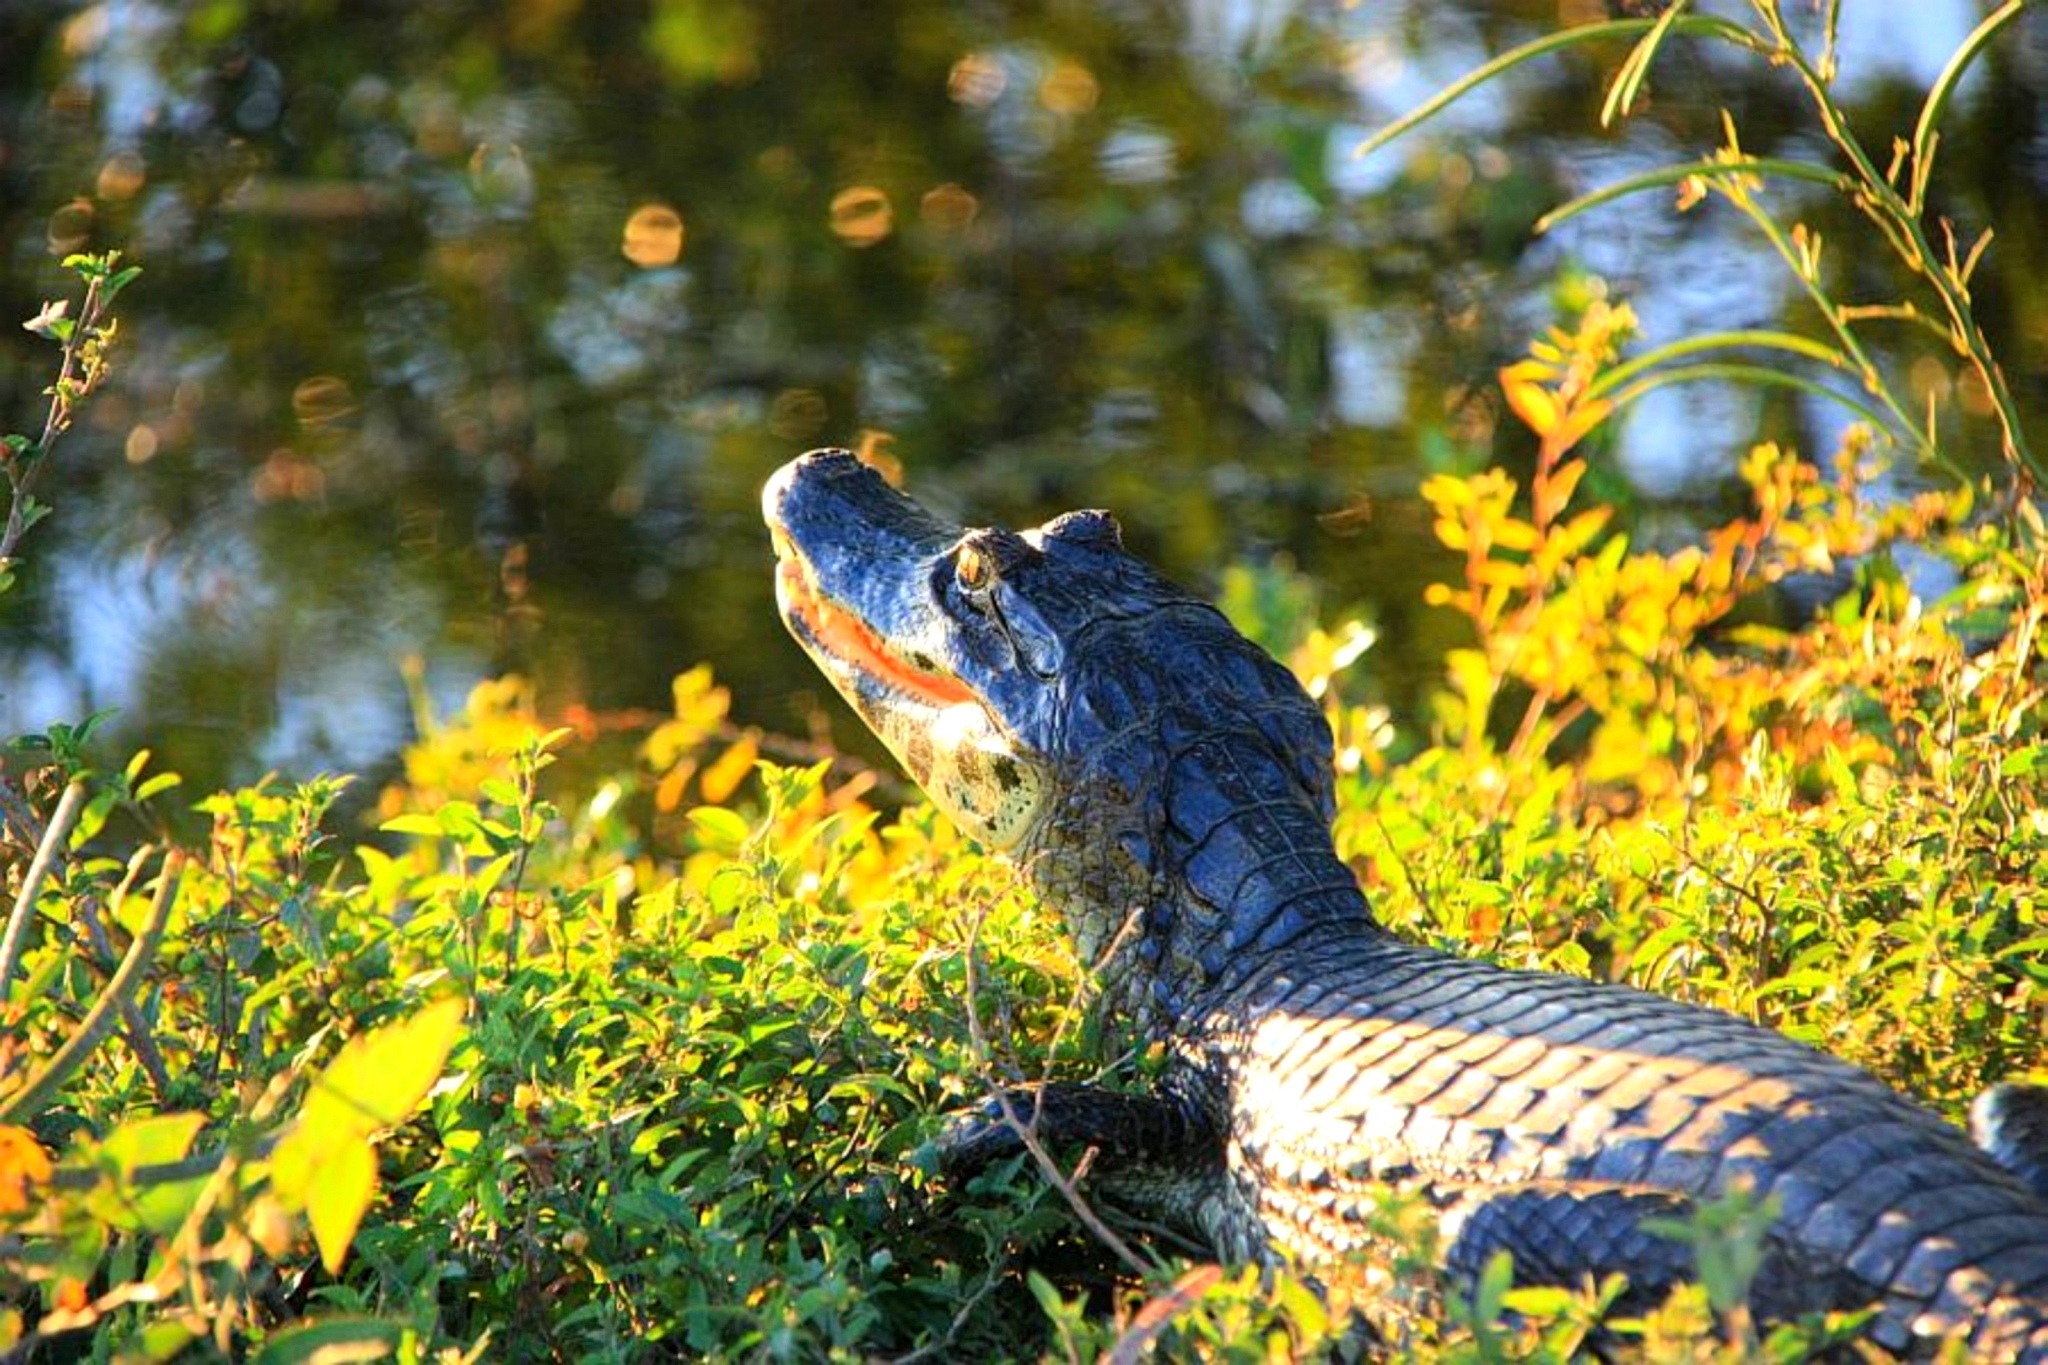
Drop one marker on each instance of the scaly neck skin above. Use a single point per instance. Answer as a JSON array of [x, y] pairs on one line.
[[1225, 857]]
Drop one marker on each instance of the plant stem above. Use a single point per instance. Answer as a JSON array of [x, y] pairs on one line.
[[23, 471], [1897, 218], [49, 853], [100, 1018]]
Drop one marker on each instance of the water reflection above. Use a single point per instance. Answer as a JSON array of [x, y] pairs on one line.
[[469, 336]]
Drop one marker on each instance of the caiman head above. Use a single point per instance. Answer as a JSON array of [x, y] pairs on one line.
[[1159, 777]]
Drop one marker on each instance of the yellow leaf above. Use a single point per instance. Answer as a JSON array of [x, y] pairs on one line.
[[337, 1200], [731, 769], [668, 793], [1499, 573], [1512, 533], [1564, 481], [1578, 533], [1446, 491], [1578, 421], [1534, 404], [325, 1165], [379, 1077], [23, 1165]]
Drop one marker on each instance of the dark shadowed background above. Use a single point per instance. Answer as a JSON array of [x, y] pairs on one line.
[[469, 331]]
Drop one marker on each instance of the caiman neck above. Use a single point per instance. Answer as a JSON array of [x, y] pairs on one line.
[[1234, 873]]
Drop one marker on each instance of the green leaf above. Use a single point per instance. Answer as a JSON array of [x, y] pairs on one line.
[[458, 819], [117, 282], [1538, 1301], [157, 785], [159, 1207], [500, 791], [164, 1339], [332, 1341], [412, 822], [154, 1141], [720, 830]]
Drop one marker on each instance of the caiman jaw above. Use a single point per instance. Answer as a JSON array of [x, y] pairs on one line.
[[853, 655], [839, 532]]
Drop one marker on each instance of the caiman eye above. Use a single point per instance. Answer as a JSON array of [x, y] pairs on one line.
[[972, 568]]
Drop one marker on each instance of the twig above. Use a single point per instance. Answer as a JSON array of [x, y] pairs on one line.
[[140, 1040], [22, 472], [1159, 1312], [1027, 1132], [49, 853], [100, 1018]]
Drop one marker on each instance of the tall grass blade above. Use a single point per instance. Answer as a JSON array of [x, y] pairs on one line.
[[1749, 374], [1628, 82], [1755, 338], [1693, 24], [1767, 166], [1924, 132]]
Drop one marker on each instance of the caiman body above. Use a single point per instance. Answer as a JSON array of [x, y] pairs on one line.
[[1168, 786]]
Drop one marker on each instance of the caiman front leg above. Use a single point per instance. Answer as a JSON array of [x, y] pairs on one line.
[[1157, 1155]]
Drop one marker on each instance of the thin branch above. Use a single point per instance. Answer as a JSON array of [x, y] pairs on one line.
[[140, 1040], [100, 1019], [49, 855], [23, 471]]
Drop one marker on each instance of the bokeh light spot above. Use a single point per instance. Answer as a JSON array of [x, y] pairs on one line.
[[323, 400], [121, 176], [71, 227], [797, 415], [286, 477], [977, 80], [862, 216], [948, 208], [654, 236], [1069, 88], [141, 445]]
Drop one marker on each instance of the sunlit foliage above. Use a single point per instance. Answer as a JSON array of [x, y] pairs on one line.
[[595, 1053]]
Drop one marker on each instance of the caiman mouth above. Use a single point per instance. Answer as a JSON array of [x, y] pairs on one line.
[[838, 636], [855, 583]]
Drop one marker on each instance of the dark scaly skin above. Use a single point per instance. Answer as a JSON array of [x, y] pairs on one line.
[[1143, 762]]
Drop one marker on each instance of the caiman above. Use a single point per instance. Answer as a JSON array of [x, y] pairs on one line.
[[1169, 787]]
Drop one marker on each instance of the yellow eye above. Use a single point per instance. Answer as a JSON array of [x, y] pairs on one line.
[[971, 567]]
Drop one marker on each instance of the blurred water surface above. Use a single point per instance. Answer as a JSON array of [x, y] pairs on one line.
[[469, 331]]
